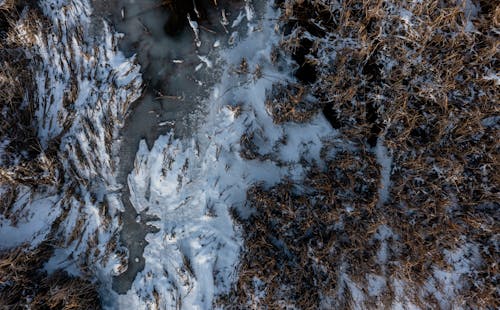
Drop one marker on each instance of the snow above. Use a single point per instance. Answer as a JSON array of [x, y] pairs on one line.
[[495, 77], [35, 215], [249, 10], [238, 20], [358, 297], [406, 16], [383, 234], [3, 145], [446, 283], [376, 285], [491, 122], [385, 162], [470, 11], [60, 260], [206, 61]]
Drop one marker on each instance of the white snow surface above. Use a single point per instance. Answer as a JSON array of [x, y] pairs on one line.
[[31, 227]]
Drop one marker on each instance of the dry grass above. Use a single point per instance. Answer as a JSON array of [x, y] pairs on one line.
[[290, 103], [23, 284], [297, 245], [7, 5], [412, 76]]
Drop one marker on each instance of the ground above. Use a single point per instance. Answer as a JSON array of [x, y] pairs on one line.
[[347, 157]]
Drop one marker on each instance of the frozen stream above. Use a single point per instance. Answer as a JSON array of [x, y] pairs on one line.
[[178, 74]]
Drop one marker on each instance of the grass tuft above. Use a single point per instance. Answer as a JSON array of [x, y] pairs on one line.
[[24, 284]]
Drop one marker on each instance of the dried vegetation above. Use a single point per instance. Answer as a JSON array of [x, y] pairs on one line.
[[23, 284], [420, 79], [290, 102]]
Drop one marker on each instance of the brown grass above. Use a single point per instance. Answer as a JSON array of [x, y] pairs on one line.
[[421, 90], [23, 284], [290, 102]]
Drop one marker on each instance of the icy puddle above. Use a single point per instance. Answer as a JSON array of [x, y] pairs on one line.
[[180, 63]]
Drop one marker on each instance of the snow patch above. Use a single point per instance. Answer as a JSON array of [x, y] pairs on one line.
[[35, 217], [385, 162], [446, 283]]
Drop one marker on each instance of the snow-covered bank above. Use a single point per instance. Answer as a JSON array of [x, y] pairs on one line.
[[83, 88]]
